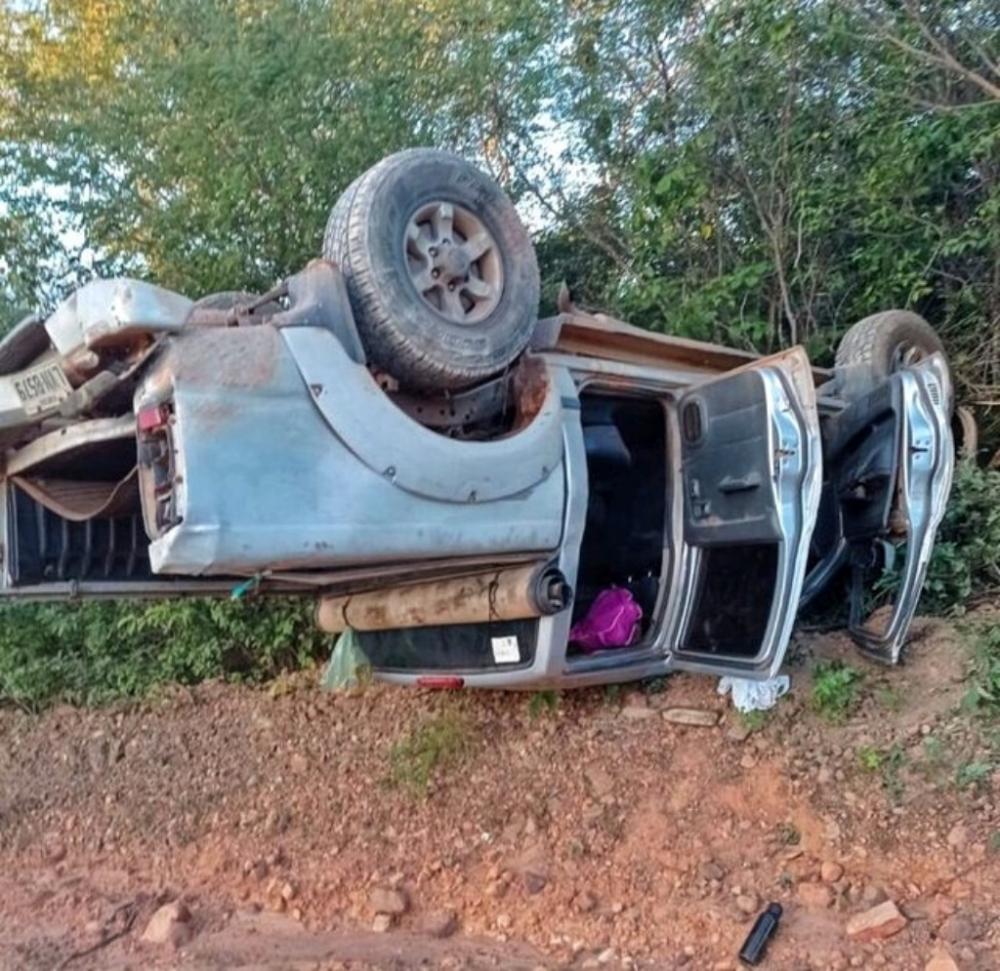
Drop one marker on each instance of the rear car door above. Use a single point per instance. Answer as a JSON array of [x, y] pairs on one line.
[[890, 460], [749, 492]]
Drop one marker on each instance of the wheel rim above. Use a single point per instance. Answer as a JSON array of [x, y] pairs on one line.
[[906, 355], [454, 262]]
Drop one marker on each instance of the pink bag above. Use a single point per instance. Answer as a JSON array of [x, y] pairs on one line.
[[612, 621]]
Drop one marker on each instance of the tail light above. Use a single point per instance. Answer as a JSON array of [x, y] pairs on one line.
[[153, 418], [440, 683], [157, 473]]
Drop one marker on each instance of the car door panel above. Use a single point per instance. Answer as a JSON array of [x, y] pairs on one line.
[[750, 480], [918, 491]]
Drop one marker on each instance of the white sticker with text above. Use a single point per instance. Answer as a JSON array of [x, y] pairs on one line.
[[505, 650]]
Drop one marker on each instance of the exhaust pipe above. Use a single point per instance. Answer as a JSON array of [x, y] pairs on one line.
[[516, 593]]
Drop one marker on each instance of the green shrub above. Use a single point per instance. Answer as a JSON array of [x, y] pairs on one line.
[[984, 695], [966, 558], [835, 689], [434, 744], [91, 653]]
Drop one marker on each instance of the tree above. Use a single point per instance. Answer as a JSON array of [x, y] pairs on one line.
[[203, 143]]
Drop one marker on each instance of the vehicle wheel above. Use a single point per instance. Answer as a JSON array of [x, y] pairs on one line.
[[440, 271], [879, 346], [22, 344]]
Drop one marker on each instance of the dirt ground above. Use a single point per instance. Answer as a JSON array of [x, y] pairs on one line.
[[583, 831]]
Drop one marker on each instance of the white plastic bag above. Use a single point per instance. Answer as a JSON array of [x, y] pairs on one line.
[[755, 695]]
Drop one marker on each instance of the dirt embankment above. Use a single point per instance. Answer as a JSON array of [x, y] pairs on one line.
[[293, 829]]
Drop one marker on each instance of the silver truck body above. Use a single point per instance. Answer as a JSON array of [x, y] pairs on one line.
[[269, 452]]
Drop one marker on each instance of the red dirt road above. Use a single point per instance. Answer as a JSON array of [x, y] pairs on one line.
[[583, 831]]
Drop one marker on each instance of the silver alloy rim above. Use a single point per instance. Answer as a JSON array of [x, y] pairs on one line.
[[453, 262]]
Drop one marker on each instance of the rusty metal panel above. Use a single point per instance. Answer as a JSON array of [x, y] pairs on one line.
[[411, 456], [601, 336], [265, 481]]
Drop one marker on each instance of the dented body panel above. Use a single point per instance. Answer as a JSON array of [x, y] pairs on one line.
[[269, 477]]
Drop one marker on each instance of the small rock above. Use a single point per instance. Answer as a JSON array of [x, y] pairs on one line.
[[534, 882], [831, 871], [739, 731], [815, 895], [533, 869], [941, 962], [169, 925], [98, 752], [872, 895], [606, 956], [958, 928], [958, 836], [877, 923], [701, 717], [439, 923], [385, 900], [635, 714], [585, 902], [601, 783], [710, 870], [747, 903], [288, 892], [382, 923], [504, 921]]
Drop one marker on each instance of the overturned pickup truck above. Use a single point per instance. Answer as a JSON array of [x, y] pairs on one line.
[[394, 432]]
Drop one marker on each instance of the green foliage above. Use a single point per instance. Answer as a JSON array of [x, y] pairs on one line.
[[984, 694], [612, 693], [542, 703], [870, 758], [835, 689], [889, 698], [788, 834], [972, 775], [96, 652], [435, 744], [754, 720], [784, 169], [892, 780], [656, 685], [204, 143], [888, 763], [966, 558]]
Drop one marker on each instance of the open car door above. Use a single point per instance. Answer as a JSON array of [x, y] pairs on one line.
[[751, 476], [890, 460]]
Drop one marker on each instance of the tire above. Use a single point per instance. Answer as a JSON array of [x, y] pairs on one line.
[[879, 345], [23, 343], [478, 313]]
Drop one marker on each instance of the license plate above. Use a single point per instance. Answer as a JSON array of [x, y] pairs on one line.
[[41, 388]]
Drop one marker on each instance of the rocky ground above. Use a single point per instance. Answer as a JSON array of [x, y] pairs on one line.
[[229, 827]]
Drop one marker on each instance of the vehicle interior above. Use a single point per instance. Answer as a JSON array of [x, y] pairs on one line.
[[625, 439]]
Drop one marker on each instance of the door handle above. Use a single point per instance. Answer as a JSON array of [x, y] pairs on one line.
[[744, 483]]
